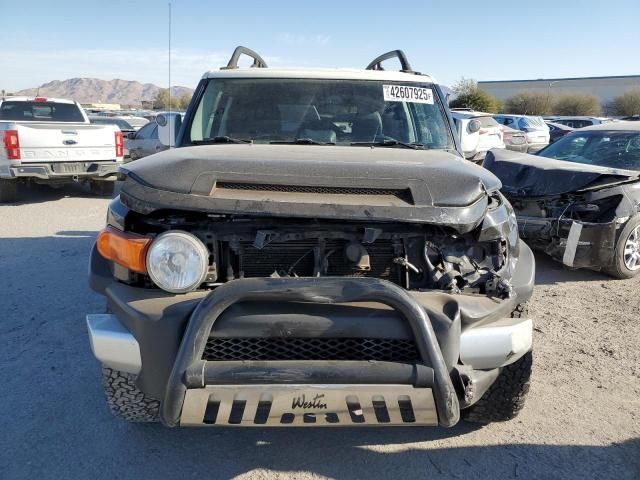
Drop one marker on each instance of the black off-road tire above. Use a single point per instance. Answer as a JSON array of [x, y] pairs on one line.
[[8, 190], [102, 188], [618, 268], [125, 400], [506, 397]]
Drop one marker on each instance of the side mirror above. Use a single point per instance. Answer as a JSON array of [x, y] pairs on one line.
[[474, 126], [168, 128], [131, 135]]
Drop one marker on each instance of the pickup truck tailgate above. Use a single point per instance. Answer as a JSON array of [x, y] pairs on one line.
[[56, 142]]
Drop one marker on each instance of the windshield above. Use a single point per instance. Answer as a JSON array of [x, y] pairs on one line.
[[40, 112], [137, 122], [487, 122], [534, 123], [615, 149], [333, 112], [121, 124]]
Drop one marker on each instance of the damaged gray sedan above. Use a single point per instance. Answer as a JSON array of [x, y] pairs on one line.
[[578, 199]]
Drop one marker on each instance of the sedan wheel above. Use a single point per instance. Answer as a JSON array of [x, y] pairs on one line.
[[632, 250], [626, 256]]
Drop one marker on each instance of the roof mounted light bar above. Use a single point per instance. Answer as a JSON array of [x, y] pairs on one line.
[[258, 61], [376, 64]]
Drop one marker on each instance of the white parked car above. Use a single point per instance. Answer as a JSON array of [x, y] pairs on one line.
[[478, 132], [536, 130], [580, 122], [50, 140]]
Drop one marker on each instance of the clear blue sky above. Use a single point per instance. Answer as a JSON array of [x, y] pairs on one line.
[[485, 40]]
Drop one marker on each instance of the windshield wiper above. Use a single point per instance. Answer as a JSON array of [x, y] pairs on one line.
[[220, 139], [300, 141], [390, 143]]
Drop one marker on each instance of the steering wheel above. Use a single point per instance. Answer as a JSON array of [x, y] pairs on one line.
[[322, 124]]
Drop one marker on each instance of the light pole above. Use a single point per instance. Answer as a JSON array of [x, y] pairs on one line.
[[170, 119], [549, 94]]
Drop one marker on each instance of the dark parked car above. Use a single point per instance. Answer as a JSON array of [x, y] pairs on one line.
[[125, 127], [558, 130], [579, 198]]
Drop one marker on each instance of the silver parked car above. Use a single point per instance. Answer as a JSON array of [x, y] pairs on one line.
[[536, 131], [144, 142]]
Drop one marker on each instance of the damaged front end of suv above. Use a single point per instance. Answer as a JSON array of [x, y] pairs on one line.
[[291, 281]]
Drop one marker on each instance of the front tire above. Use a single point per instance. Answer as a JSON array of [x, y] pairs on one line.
[[506, 397], [626, 257], [125, 400]]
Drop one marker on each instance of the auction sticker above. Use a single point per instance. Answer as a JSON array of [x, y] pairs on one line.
[[407, 93]]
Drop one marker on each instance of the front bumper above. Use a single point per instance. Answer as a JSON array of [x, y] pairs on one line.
[[170, 333], [190, 372], [65, 170], [574, 243]]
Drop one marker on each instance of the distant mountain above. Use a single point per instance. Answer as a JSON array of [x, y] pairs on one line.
[[94, 90]]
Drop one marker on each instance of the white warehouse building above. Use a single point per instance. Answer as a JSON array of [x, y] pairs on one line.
[[607, 88]]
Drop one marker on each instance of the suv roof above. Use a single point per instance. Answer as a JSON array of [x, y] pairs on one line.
[[374, 70], [324, 73]]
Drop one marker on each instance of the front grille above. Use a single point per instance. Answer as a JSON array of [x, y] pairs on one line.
[[403, 194], [277, 348], [297, 257]]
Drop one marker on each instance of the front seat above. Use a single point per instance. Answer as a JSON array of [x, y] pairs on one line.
[[366, 127], [248, 121]]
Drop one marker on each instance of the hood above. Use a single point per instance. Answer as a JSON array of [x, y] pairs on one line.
[[524, 175], [319, 181]]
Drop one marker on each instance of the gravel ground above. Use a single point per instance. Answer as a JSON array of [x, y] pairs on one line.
[[581, 419]]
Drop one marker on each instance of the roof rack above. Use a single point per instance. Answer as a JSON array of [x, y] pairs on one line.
[[258, 61], [376, 64]]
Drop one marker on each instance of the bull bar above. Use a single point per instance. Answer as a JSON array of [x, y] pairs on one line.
[[191, 373]]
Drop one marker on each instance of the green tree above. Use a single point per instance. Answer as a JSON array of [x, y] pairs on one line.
[[529, 103], [161, 101], [185, 99], [468, 95], [626, 104], [577, 104]]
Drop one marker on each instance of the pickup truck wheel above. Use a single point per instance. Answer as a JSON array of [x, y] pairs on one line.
[[125, 400], [626, 258], [506, 397], [101, 187], [8, 190]]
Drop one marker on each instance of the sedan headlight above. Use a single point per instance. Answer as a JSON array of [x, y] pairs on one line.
[[177, 261]]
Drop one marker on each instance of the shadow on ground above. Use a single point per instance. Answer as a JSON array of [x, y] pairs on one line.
[[35, 193], [56, 423], [550, 272]]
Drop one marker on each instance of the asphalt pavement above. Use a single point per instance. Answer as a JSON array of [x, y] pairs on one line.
[[580, 421]]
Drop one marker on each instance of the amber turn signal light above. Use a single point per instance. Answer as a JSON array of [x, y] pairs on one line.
[[126, 249]]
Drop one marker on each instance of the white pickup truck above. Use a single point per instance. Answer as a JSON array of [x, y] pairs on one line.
[[50, 140]]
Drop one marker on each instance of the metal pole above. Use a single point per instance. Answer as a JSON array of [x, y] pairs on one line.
[[171, 127]]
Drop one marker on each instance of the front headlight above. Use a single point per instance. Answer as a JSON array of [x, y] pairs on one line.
[[177, 261]]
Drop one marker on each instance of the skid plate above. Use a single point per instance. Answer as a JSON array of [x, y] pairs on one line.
[[308, 405]]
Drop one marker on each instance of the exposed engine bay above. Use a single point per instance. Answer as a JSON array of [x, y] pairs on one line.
[[412, 256]]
